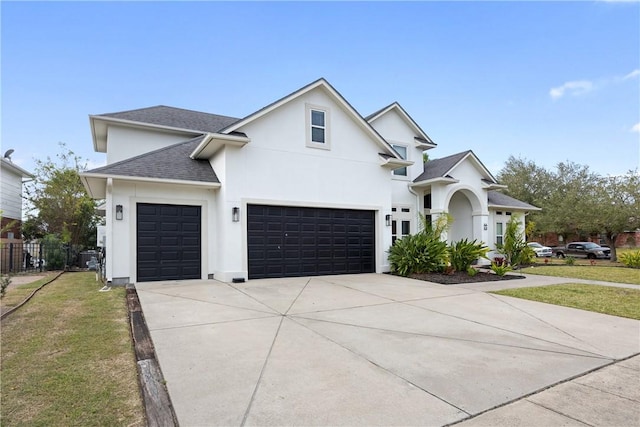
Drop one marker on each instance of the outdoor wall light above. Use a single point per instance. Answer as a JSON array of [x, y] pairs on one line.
[[387, 220], [485, 227], [235, 214], [119, 212]]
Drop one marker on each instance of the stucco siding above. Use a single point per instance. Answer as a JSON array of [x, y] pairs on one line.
[[277, 167], [124, 143], [123, 232]]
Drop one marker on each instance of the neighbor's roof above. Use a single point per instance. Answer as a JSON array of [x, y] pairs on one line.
[[17, 170], [497, 199], [163, 115], [169, 163]]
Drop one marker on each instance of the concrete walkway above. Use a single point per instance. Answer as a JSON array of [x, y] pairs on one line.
[[382, 350]]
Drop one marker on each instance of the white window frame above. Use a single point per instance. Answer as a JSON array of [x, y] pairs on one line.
[[398, 218], [397, 172], [499, 237], [326, 145]]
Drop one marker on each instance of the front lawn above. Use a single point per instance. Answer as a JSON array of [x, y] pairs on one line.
[[67, 358], [621, 302], [589, 272]]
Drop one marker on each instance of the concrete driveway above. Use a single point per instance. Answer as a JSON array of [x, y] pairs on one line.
[[364, 349]]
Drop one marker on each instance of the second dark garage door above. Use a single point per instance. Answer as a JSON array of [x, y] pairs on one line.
[[286, 241]]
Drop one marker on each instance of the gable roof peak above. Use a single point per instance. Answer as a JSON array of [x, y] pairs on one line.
[[395, 106]]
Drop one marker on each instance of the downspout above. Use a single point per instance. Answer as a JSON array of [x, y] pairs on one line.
[[412, 191], [109, 222]]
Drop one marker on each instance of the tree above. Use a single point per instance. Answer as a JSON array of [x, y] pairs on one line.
[[570, 200], [527, 182], [575, 200], [616, 207], [59, 202]]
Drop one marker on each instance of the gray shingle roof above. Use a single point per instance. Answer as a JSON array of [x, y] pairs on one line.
[[438, 168], [175, 117], [496, 198], [171, 162]]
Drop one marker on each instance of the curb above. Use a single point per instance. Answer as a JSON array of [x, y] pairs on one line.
[[155, 397]]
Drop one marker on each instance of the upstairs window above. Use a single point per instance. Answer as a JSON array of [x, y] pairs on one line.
[[317, 127], [402, 151]]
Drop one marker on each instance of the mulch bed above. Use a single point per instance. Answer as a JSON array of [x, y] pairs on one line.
[[459, 277]]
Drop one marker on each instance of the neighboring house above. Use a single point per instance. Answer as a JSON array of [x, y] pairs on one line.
[[304, 186], [11, 179]]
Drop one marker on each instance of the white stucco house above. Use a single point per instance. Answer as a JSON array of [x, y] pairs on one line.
[[304, 186]]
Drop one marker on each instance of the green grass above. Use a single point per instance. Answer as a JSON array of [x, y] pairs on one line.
[[615, 301], [15, 296], [67, 358], [589, 272]]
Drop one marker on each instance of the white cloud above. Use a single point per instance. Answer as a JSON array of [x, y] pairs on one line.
[[581, 87], [636, 128], [574, 88]]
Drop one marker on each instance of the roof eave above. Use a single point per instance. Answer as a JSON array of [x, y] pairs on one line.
[[17, 169], [94, 182], [394, 163], [421, 143], [494, 186], [515, 208], [429, 182], [214, 142]]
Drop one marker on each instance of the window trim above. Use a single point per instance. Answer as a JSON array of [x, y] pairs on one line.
[[500, 237], [394, 173], [326, 145], [398, 218]]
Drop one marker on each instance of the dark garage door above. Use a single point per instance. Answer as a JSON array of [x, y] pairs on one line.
[[292, 241], [168, 242]]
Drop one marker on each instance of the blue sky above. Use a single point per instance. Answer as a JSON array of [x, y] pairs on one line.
[[546, 81]]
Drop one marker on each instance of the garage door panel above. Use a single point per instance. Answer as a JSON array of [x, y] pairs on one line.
[[168, 242], [298, 241]]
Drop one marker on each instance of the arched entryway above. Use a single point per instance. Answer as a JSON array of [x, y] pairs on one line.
[[464, 207], [462, 213]]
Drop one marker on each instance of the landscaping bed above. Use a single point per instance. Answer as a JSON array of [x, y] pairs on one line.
[[459, 277]]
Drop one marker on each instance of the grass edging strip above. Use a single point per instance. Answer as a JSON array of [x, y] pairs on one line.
[[8, 312], [155, 397]]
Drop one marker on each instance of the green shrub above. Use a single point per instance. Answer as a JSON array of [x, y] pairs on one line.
[[5, 281], [472, 271], [515, 248], [418, 253], [630, 259], [500, 269], [570, 260], [463, 252], [54, 252]]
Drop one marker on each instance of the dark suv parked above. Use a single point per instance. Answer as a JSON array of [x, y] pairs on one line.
[[583, 250]]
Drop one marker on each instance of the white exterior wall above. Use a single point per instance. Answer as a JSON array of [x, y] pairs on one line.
[[11, 200], [494, 218], [124, 143], [278, 168], [121, 235], [395, 130]]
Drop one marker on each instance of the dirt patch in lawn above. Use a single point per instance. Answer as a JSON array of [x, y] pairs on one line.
[[459, 277]]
